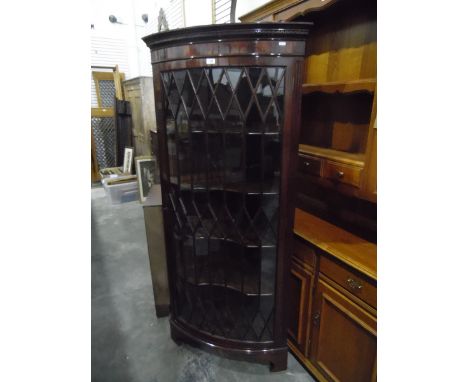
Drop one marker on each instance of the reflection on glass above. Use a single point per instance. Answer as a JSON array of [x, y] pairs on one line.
[[244, 92], [171, 149], [233, 122], [272, 119], [272, 162], [264, 93], [253, 120], [223, 93]]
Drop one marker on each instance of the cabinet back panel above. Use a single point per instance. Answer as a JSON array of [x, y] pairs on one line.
[[336, 121], [355, 215]]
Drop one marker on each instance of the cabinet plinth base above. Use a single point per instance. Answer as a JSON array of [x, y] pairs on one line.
[[276, 357]]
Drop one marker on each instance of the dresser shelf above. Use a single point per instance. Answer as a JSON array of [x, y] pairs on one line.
[[344, 246], [335, 155]]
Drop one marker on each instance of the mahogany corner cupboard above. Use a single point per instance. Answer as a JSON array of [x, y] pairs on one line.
[[228, 113]]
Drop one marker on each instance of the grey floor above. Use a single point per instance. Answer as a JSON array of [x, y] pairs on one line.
[[129, 343]]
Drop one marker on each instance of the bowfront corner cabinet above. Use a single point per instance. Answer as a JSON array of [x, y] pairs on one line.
[[228, 113]]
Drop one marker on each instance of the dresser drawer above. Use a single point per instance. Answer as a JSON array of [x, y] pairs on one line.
[[310, 165], [349, 280], [304, 252], [342, 173]]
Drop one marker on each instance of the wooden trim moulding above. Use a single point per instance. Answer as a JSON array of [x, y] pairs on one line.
[[335, 155], [366, 85], [275, 6], [344, 246], [367, 193]]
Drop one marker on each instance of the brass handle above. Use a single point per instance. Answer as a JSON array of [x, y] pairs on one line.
[[354, 284], [339, 174], [316, 318]]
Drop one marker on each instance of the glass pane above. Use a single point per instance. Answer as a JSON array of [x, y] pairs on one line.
[[188, 93], [234, 75], [271, 163], [254, 75], [253, 119], [234, 160], [233, 122], [264, 92], [171, 149], [183, 147], [198, 161], [243, 93], [273, 119], [215, 160], [253, 159], [173, 96], [223, 93], [204, 93], [214, 120], [197, 120]]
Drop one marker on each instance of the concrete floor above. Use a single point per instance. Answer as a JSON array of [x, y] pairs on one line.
[[129, 343]]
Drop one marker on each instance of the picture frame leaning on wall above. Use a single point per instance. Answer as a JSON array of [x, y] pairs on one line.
[[146, 174], [128, 160]]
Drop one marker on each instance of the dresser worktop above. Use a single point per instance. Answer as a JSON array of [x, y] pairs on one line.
[[344, 246]]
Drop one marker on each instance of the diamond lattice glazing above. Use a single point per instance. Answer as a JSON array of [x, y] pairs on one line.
[[223, 134]]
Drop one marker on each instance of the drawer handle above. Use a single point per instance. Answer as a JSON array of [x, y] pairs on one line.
[[307, 164], [354, 284], [339, 174]]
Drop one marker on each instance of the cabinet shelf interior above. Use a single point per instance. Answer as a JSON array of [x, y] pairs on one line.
[[338, 121]]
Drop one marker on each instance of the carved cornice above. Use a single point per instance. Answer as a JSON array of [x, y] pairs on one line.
[[218, 32], [276, 6]]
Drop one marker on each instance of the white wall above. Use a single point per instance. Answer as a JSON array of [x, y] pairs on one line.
[[125, 37], [245, 6], [197, 12], [126, 34], [121, 44]]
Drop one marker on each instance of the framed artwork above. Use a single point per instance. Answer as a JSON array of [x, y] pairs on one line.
[[128, 160], [146, 174]]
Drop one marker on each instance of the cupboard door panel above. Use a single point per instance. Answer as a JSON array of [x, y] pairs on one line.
[[344, 337], [301, 278]]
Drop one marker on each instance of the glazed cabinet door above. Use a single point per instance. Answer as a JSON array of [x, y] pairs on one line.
[[301, 280], [344, 337], [223, 134]]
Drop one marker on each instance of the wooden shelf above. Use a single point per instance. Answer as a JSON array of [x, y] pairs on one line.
[[335, 155], [366, 85], [351, 250]]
